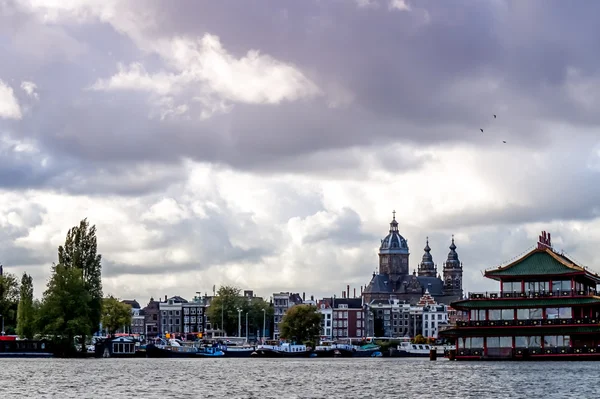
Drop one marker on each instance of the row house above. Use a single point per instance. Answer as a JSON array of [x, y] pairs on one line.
[[171, 314], [193, 317], [347, 318], [137, 318], [152, 318], [396, 318]]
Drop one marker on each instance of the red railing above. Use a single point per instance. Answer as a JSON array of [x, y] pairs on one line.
[[540, 294]]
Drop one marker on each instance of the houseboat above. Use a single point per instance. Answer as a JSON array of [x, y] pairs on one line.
[[547, 309], [176, 348], [408, 349], [346, 349], [276, 348], [10, 346]]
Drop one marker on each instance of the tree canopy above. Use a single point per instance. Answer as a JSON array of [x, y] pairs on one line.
[[115, 314], [301, 323], [223, 311], [9, 299], [72, 302], [26, 316]]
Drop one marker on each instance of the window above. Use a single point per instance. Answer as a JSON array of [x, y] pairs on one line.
[[508, 314], [494, 314], [472, 343], [535, 314], [522, 314], [511, 286], [565, 313], [358, 323]]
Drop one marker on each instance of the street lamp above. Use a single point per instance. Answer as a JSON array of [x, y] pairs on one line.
[[246, 327], [239, 322], [264, 324]]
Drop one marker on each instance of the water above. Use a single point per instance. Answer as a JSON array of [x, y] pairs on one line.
[[291, 378]]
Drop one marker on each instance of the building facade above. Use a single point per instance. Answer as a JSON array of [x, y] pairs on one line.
[[151, 319], [547, 308], [193, 318], [171, 313], [394, 280]]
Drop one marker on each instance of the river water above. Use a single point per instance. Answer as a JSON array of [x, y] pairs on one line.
[[291, 378]]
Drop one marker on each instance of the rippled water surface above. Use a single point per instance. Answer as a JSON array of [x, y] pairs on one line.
[[302, 378]]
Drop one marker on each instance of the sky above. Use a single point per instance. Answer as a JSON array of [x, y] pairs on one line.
[[265, 144]]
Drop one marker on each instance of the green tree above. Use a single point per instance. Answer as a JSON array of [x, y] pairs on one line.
[[115, 314], [254, 307], [301, 323], [80, 252], [223, 309], [64, 312], [9, 299], [26, 311]]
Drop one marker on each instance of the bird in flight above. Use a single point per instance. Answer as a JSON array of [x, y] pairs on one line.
[[494, 116], [504, 141], [481, 130]]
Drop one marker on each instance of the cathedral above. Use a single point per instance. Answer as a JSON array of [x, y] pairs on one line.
[[394, 280]]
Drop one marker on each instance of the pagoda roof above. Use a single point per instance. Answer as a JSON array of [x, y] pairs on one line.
[[540, 262], [524, 302], [520, 331]]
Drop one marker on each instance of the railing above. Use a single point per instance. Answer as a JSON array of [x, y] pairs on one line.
[[540, 294], [532, 322], [523, 352]]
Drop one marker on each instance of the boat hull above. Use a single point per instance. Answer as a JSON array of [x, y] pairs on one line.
[[238, 354], [279, 354], [156, 352]]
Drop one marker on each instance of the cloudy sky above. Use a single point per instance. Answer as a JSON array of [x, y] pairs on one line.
[[266, 143]]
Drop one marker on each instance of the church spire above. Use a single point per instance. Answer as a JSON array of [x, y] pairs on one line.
[[427, 267], [393, 223]]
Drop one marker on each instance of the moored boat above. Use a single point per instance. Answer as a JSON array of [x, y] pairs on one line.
[[408, 349], [281, 349], [175, 348]]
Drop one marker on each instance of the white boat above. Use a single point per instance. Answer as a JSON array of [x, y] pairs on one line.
[[408, 349]]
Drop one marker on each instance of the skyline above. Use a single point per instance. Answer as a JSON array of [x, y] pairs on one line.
[[267, 146]]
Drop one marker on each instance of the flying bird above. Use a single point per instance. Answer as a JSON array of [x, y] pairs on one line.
[[481, 130], [494, 116], [504, 141]]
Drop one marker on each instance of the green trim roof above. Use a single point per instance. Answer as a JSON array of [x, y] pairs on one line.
[[518, 331], [524, 302], [535, 263]]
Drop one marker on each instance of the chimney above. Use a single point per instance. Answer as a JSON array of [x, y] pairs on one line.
[[361, 287], [348, 291], [165, 298], [312, 297], [343, 294], [354, 292], [303, 296]]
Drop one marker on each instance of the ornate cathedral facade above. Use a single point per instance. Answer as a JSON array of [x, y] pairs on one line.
[[394, 280]]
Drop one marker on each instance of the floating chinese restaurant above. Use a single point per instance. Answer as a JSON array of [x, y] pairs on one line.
[[547, 309]]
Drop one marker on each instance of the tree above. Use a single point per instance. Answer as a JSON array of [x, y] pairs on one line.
[[64, 311], [80, 252], [26, 312], [256, 317], [223, 309], [115, 314], [9, 299], [301, 323], [419, 339]]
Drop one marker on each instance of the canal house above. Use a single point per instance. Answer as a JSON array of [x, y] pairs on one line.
[[547, 308]]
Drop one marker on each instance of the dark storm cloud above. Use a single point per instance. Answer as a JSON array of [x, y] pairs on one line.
[[416, 77], [345, 231]]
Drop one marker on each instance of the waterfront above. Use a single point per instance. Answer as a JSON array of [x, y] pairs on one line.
[[303, 378]]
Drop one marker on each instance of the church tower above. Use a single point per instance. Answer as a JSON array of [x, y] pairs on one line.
[[427, 267], [453, 273], [393, 254]]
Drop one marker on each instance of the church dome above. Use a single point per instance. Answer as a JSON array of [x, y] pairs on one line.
[[452, 262], [393, 243]]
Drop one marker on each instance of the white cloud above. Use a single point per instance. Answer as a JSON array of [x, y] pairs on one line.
[[9, 106], [30, 88], [400, 5]]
